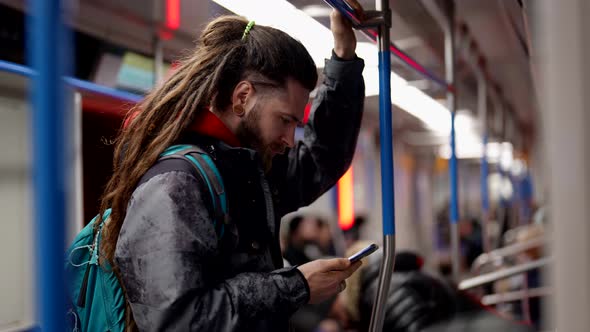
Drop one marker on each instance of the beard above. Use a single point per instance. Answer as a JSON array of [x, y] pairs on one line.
[[250, 135]]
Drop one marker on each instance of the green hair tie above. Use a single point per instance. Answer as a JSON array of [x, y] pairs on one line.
[[248, 28]]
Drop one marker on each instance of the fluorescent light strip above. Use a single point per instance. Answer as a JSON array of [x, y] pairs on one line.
[[317, 10], [497, 153], [284, 16]]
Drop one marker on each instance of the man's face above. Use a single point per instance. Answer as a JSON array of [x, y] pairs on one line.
[[269, 125]]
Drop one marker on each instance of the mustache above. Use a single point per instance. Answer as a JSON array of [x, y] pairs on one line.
[[278, 148]]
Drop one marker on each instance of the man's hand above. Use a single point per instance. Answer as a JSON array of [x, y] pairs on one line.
[[344, 38], [325, 277]]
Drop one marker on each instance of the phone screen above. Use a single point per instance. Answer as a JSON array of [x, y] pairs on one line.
[[363, 253]]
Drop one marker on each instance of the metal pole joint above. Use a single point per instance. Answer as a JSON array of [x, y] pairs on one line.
[[375, 19]]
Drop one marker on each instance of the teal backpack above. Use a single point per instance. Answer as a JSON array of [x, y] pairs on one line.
[[96, 297]]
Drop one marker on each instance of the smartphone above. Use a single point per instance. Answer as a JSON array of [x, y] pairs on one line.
[[363, 253]]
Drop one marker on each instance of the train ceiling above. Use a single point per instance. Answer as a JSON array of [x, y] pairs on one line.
[[498, 27]]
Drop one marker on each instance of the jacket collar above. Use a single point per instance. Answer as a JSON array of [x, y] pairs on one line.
[[205, 124], [208, 124]]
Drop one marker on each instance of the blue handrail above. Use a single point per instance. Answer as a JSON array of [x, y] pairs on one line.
[[450, 61], [48, 52], [485, 202], [21, 70], [453, 176], [386, 142]]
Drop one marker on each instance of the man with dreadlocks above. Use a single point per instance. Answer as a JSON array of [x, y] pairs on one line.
[[238, 97]]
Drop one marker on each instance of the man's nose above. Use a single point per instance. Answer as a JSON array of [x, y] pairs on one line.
[[289, 138]]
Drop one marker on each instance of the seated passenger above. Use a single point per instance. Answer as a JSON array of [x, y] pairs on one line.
[[416, 301]]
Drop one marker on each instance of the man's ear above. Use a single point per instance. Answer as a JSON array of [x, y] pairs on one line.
[[242, 92]]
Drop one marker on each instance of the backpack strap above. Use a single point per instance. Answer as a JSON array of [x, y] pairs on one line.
[[188, 158], [198, 160], [81, 302], [191, 159]]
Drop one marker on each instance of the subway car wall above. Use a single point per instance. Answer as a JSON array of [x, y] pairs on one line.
[[101, 116]]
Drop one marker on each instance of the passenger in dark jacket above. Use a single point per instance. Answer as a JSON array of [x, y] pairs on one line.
[[418, 301], [239, 98]]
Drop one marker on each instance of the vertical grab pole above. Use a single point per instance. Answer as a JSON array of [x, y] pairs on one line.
[[48, 53], [386, 142], [482, 104], [157, 44], [158, 59], [452, 104]]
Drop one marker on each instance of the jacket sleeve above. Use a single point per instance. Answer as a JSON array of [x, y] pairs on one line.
[[166, 256], [316, 163]]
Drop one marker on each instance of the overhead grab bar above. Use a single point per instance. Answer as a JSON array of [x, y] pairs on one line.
[[502, 274], [507, 251], [493, 299], [14, 68], [375, 18]]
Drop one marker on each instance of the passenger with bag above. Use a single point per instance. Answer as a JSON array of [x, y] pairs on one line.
[[187, 238]]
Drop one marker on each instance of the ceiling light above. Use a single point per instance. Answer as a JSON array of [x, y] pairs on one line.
[[317, 10], [282, 15]]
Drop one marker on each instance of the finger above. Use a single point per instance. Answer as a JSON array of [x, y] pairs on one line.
[[342, 286], [346, 22], [336, 264], [348, 272], [337, 18], [358, 9]]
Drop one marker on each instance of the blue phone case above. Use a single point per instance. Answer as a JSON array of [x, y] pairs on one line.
[[363, 253]]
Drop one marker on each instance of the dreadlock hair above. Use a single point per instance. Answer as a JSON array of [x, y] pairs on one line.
[[205, 78]]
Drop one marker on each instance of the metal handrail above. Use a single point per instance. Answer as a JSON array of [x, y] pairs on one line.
[[502, 274], [381, 19], [374, 18], [507, 251], [15, 68], [450, 71], [493, 299]]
